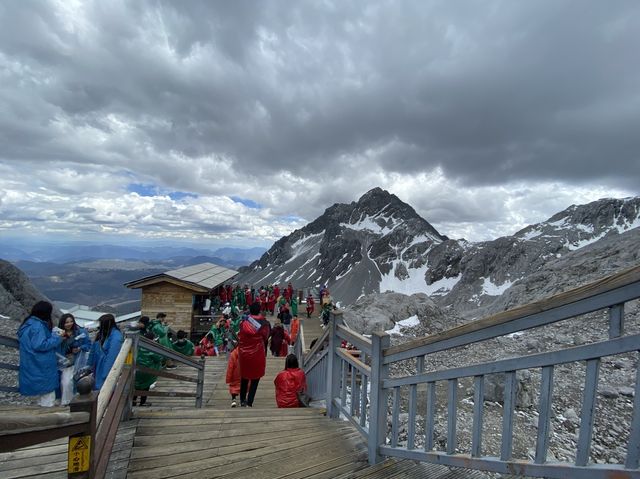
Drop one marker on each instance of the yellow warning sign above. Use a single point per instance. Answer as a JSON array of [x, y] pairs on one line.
[[79, 448]]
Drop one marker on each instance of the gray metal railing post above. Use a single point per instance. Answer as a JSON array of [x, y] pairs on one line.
[[297, 347], [333, 370], [378, 403]]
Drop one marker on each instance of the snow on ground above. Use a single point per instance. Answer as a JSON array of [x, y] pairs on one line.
[[345, 273], [531, 234], [368, 223], [491, 289], [585, 242], [442, 286], [626, 226], [304, 245], [405, 323], [415, 283]]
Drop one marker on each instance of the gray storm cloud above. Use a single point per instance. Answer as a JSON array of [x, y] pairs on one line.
[[274, 101]]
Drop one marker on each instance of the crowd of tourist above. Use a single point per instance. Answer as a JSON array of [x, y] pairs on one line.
[[51, 356]]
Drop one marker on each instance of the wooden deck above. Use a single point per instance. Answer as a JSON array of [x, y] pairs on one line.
[[171, 438]]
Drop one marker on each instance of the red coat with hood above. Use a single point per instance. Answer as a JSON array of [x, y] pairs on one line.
[[288, 383], [252, 345], [233, 373]]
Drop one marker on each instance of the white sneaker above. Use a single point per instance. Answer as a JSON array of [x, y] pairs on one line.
[[234, 403]]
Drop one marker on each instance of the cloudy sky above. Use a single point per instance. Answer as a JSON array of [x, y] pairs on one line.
[[236, 122]]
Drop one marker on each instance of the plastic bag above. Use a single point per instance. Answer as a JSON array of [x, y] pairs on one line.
[[303, 398], [82, 360], [66, 386], [63, 362]]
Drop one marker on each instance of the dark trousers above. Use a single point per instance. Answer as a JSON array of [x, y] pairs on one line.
[[252, 386]]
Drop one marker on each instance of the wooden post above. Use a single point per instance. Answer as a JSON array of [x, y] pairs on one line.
[[131, 362], [200, 385], [333, 369], [82, 447], [378, 404]]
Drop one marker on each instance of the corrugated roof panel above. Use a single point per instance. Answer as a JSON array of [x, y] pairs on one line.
[[208, 275]]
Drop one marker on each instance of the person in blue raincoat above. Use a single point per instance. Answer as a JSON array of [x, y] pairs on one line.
[[74, 340], [38, 373], [105, 349]]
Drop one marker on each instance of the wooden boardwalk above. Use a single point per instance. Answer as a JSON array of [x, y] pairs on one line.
[[171, 438]]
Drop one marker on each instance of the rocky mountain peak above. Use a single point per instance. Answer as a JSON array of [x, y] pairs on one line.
[[580, 225], [352, 246], [380, 243]]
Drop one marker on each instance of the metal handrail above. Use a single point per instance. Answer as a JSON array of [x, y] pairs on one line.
[[359, 389]]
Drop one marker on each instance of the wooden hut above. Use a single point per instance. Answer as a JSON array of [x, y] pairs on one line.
[[187, 295]]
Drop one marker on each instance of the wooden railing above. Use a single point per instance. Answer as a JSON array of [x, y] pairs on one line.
[[93, 420], [11, 343], [144, 343], [359, 388]]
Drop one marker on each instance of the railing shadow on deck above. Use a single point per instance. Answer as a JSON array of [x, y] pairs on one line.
[[93, 420], [358, 389]]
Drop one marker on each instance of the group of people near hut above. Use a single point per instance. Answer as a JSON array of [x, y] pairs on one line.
[[270, 297]]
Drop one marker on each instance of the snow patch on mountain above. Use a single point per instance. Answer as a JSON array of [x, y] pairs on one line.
[[383, 226], [582, 243], [405, 323], [491, 289]]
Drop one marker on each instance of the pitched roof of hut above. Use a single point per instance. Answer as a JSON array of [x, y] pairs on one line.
[[201, 277]]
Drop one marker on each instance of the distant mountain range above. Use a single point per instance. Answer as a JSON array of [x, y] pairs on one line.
[[94, 275], [65, 253], [381, 244]]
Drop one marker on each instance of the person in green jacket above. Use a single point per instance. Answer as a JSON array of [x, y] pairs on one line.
[[149, 360], [294, 307], [183, 345], [160, 329], [218, 331]]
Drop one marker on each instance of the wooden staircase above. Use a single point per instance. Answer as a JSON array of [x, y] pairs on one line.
[[171, 438], [262, 442]]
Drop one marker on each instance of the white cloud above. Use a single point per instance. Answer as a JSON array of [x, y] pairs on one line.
[[484, 118]]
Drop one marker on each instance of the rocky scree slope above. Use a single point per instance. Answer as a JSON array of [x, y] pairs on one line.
[[380, 244], [17, 296], [390, 311]]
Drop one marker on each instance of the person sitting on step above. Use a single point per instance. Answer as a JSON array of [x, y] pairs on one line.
[[289, 382]]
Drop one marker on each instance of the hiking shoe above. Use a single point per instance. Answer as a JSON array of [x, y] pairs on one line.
[[234, 403]]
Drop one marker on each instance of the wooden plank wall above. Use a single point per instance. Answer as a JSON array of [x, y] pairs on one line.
[[171, 299]]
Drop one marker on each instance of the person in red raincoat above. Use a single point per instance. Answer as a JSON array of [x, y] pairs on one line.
[[289, 382], [295, 327], [205, 347], [279, 340], [253, 336], [271, 303], [276, 291], [310, 305], [233, 376]]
